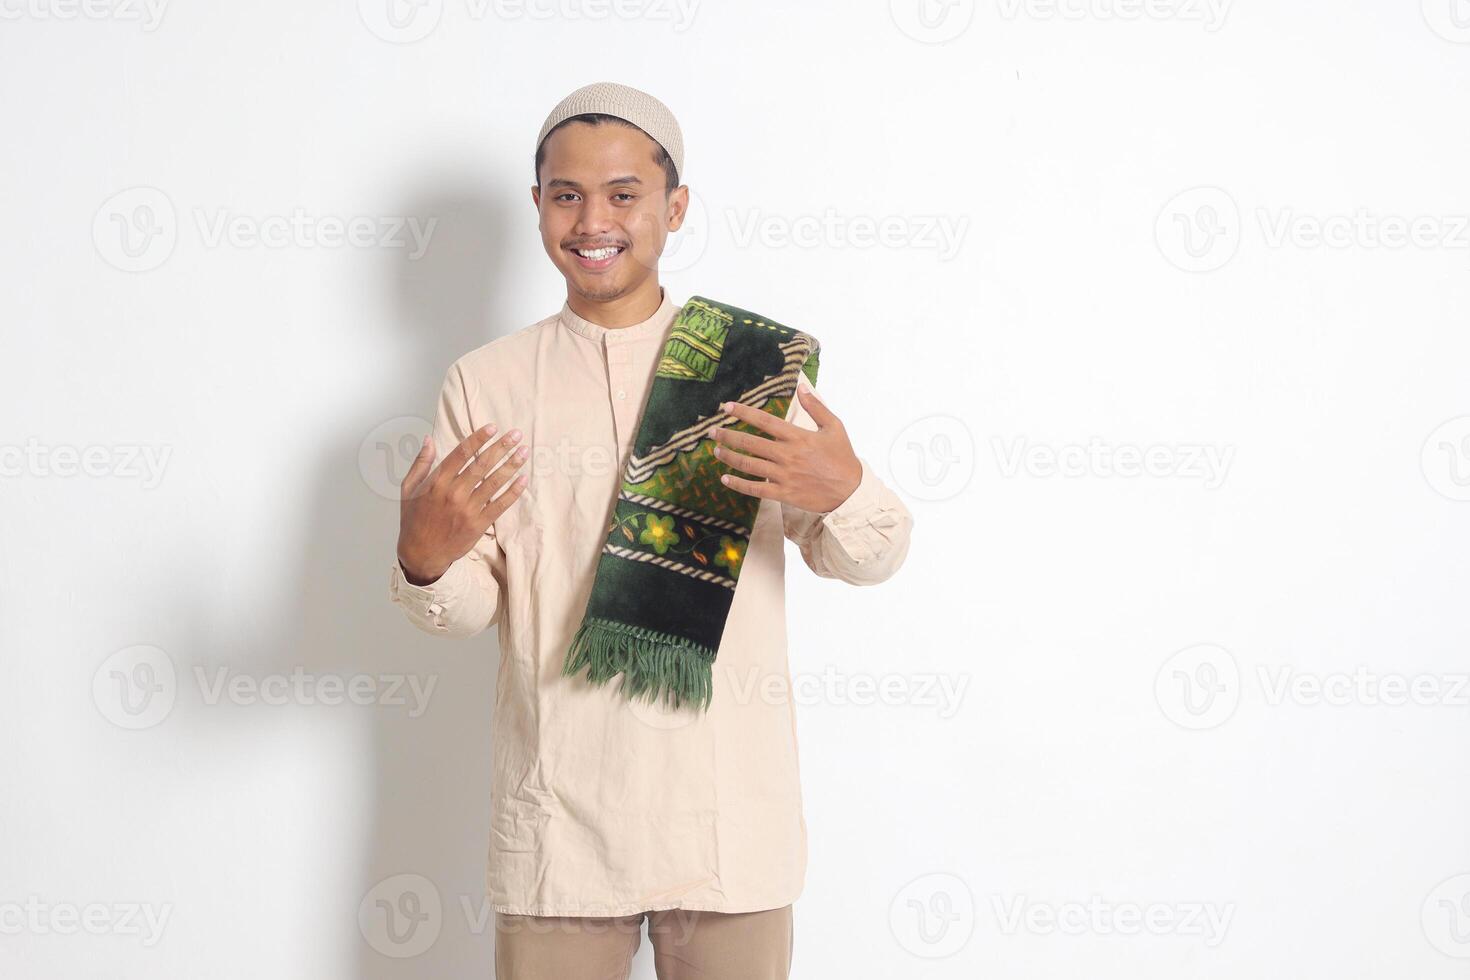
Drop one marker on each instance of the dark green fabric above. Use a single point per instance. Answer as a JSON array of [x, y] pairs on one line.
[[677, 535]]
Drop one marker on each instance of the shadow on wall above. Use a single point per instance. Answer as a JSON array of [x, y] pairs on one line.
[[426, 783], [431, 774]]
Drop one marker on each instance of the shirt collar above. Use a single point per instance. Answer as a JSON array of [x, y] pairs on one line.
[[655, 326]]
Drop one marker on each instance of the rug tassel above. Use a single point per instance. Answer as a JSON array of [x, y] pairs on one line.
[[654, 665]]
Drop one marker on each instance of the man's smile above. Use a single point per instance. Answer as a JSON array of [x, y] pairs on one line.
[[597, 258]]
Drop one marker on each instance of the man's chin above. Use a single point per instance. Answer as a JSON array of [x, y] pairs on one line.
[[598, 290]]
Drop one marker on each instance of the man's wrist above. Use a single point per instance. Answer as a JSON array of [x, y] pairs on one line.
[[413, 576]]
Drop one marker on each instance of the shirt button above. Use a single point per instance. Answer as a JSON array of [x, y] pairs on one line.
[[622, 393]]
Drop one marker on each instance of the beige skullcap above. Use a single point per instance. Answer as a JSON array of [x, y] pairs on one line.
[[629, 104]]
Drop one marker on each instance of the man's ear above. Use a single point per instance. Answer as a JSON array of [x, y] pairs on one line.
[[536, 196], [678, 206]]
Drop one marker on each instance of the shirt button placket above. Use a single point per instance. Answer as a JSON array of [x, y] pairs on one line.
[[618, 362]]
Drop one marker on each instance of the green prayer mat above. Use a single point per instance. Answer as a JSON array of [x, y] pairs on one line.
[[667, 573]]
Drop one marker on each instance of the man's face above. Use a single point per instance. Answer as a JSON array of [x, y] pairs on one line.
[[601, 192]]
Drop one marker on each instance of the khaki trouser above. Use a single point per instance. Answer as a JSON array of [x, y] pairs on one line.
[[687, 945]]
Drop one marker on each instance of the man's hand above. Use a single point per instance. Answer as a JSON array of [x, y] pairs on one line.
[[443, 513], [814, 471]]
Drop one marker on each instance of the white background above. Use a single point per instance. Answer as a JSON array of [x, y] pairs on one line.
[[1136, 722]]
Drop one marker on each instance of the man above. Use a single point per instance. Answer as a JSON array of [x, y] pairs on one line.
[[605, 809]]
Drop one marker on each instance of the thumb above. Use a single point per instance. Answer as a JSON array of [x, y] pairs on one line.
[[420, 467], [812, 402]]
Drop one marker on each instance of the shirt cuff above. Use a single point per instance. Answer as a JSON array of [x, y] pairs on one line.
[[428, 600], [859, 505]]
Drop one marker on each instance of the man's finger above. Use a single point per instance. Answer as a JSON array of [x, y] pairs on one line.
[[494, 508], [760, 418], [755, 488], [422, 463], [491, 482], [488, 459], [815, 407], [466, 450], [747, 442], [753, 465]]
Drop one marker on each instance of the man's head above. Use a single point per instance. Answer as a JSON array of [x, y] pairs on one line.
[[608, 161]]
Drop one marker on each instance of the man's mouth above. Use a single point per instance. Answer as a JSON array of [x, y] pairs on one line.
[[597, 258]]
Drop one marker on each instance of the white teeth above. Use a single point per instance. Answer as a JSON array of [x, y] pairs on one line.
[[597, 254]]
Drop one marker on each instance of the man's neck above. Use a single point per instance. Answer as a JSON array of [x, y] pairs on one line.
[[635, 307]]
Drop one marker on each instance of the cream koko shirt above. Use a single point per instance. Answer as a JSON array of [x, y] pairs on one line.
[[602, 806]]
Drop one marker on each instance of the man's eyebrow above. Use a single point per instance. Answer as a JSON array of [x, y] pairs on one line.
[[563, 182]]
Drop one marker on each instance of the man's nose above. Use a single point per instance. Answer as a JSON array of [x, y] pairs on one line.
[[594, 218]]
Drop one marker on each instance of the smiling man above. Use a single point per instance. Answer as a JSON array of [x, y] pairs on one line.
[[674, 449]]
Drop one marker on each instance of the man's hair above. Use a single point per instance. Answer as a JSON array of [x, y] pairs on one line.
[[660, 155]]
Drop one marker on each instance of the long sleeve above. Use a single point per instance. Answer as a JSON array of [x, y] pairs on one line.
[[862, 540], [466, 599]]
